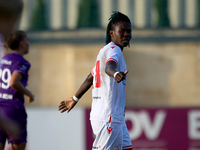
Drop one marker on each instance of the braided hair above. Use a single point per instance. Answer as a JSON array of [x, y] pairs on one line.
[[115, 18]]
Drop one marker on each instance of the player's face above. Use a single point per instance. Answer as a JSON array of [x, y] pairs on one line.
[[26, 45], [121, 35]]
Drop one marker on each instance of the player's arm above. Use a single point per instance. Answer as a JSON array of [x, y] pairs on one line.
[[16, 84], [69, 103], [85, 86], [111, 70]]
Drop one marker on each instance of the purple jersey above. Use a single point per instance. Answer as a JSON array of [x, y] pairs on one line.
[[12, 62]]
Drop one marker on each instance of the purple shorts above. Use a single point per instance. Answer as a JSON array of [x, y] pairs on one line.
[[18, 118]]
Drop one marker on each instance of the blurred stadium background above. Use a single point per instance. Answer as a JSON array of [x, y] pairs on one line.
[[163, 59]]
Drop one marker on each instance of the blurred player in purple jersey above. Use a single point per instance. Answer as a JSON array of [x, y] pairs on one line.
[[10, 12], [13, 81]]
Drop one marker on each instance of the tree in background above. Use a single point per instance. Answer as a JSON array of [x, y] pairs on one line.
[[88, 14], [162, 9], [38, 20]]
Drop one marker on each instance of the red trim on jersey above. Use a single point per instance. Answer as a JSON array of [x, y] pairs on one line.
[[113, 47], [92, 73], [111, 59], [127, 147], [110, 119]]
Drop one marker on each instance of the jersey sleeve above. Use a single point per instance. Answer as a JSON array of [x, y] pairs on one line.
[[23, 67], [92, 72], [113, 54]]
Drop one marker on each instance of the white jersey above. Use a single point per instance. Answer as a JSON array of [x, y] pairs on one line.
[[108, 96]]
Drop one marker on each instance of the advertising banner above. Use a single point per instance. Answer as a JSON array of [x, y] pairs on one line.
[[48, 129], [159, 128]]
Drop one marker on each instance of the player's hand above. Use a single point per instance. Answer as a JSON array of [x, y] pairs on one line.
[[30, 98], [67, 105], [120, 76]]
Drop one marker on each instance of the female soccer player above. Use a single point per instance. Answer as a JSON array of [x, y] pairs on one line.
[[13, 80], [108, 78]]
